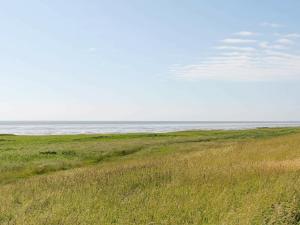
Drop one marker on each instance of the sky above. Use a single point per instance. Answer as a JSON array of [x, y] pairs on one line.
[[150, 60]]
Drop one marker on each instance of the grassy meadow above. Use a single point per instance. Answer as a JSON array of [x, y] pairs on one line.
[[178, 178]]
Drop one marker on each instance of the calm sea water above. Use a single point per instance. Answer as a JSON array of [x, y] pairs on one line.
[[91, 127]]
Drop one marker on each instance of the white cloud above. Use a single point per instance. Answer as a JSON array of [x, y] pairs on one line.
[[235, 48], [264, 44], [292, 35], [238, 41], [284, 41], [255, 68], [253, 61], [268, 45], [273, 25], [246, 33], [236, 53]]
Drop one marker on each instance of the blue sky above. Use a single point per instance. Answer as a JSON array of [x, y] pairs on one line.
[[150, 60]]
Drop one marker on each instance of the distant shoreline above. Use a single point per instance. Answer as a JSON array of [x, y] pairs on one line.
[[81, 128]]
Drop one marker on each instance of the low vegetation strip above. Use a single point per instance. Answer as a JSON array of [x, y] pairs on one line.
[[195, 177]]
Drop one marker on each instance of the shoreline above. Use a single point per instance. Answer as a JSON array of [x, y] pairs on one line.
[[162, 133]]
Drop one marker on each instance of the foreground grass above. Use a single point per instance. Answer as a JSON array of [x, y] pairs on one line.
[[203, 177]]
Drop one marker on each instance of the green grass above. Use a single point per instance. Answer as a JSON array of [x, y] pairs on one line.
[[192, 177]]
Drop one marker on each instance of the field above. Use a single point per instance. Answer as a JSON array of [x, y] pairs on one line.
[[192, 177]]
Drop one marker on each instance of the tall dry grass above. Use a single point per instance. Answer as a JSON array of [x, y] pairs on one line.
[[253, 181]]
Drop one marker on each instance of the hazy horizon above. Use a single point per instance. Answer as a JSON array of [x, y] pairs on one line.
[[117, 127], [154, 121]]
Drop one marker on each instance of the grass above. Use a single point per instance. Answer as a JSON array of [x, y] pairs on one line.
[[192, 177]]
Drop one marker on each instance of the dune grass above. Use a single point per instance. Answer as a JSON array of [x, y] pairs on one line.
[[195, 177]]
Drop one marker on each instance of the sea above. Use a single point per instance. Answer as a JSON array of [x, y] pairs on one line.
[[108, 127]]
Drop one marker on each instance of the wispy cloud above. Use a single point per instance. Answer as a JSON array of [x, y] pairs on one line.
[[266, 66], [285, 41], [92, 49], [235, 48], [268, 45], [247, 59], [238, 41], [292, 35], [246, 33], [273, 25]]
